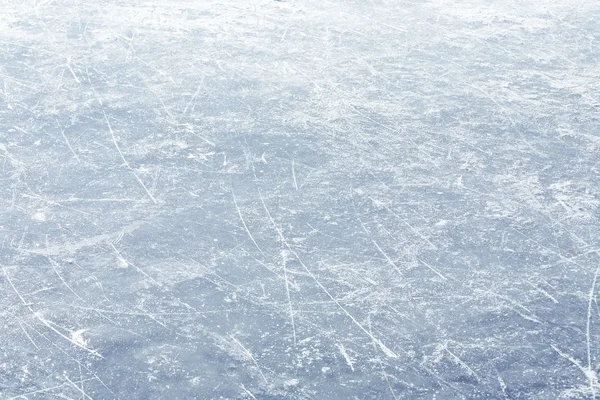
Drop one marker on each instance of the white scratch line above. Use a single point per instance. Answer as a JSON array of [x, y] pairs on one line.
[[53, 264], [245, 226], [72, 72], [544, 292], [383, 253], [389, 260], [194, 97], [249, 393], [462, 363], [294, 176], [432, 269], [590, 371], [346, 356], [62, 132], [251, 357], [127, 263], [409, 225], [79, 389], [49, 324], [112, 134], [27, 334], [289, 298]]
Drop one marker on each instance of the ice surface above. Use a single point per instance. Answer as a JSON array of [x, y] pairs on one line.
[[299, 199]]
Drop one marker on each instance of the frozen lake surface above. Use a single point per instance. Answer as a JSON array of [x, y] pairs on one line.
[[299, 199]]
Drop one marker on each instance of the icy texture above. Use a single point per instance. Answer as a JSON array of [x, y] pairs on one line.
[[299, 199]]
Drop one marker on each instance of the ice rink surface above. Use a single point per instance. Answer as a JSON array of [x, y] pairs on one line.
[[293, 200]]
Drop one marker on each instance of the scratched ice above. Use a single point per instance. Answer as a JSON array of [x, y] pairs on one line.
[[299, 199]]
